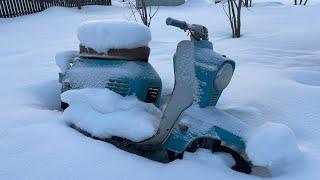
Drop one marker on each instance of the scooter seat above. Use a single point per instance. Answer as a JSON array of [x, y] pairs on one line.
[[136, 54]]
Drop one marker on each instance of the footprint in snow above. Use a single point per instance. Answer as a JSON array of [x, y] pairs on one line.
[[311, 78]]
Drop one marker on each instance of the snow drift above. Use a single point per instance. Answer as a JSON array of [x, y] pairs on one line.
[[102, 35], [270, 143], [104, 113]]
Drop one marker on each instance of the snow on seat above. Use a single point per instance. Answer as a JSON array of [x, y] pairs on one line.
[[104, 35], [104, 113]]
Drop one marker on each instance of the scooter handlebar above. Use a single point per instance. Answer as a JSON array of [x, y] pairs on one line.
[[180, 24]]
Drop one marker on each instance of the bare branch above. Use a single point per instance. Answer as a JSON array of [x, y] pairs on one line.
[[234, 16], [146, 13]]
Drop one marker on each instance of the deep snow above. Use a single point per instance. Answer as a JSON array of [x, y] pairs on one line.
[[276, 80], [104, 113]]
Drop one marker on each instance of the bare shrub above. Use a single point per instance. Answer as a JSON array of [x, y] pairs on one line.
[[247, 3], [301, 2], [146, 13], [234, 15]]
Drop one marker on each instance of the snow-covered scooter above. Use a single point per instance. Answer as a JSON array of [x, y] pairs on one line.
[[190, 119]]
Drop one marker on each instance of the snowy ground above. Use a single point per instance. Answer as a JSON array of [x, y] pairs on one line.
[[277, 79]]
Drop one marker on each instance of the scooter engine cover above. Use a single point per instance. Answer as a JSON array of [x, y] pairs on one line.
[[121, 76]]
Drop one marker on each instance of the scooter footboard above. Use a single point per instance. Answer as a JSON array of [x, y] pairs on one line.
[[230, 138]]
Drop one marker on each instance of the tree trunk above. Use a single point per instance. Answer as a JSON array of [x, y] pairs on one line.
[[238, 32], [247, 3], [233, 18], [230, 19]]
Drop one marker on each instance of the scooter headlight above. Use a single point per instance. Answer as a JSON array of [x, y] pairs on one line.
[[223, 77]]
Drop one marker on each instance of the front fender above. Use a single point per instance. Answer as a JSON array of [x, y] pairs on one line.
[[214, 124], [179, 140]]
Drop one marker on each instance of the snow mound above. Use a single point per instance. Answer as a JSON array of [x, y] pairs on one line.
[[64, 58], [104, 113], [271, 142], [102, 35]]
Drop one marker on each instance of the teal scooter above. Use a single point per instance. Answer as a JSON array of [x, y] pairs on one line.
[[201, 75]]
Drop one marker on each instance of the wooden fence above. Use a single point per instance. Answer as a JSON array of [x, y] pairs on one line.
[[13, 8]]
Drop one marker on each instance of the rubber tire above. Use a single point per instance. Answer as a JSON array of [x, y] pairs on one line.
[[241, 164], [64, 105]]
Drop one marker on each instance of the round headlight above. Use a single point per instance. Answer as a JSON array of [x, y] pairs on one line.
[[223, 77]]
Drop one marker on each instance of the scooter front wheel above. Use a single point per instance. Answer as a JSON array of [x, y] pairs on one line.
[[64, 105]]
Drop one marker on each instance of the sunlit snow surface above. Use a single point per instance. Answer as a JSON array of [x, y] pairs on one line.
[[276, 80]]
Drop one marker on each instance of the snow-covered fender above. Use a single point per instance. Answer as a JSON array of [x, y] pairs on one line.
[[184, 133]]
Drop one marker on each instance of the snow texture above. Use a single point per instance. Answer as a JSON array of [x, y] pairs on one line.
[[276, 80], [104, 113], [214, 117], [102, 35], [271, 143], [64, 58], [94, 75]]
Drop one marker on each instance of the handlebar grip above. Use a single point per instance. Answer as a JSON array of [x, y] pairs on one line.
[[180, 24]]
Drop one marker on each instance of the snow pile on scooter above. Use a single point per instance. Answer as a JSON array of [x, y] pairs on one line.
[[104, 113], [271, 142], [102, 35], [64, 58]]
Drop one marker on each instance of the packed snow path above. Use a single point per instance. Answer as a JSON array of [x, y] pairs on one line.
[[277, 79]]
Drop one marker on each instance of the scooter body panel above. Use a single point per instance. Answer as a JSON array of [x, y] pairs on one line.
[[123, 77], [206, 64], [217, 125]]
